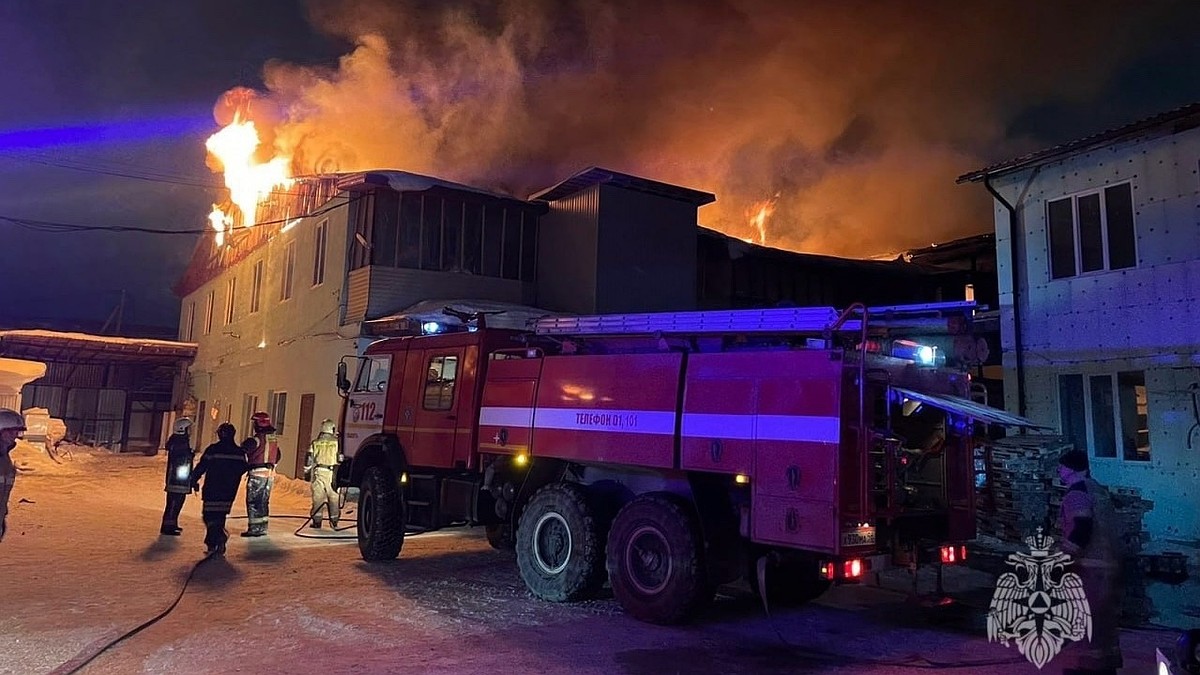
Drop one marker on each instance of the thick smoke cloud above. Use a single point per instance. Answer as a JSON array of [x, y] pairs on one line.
[[858, 115]]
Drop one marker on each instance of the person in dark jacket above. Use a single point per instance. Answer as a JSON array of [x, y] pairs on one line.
[[179, 476], [260, 477], [1089, 528], [221, 466]]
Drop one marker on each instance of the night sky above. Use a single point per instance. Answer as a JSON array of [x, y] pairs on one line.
[[805, 104]]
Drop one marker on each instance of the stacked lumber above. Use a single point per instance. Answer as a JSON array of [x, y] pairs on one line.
[[1014, 500]]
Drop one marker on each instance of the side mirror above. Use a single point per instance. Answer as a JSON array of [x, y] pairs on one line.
[[343, 383]]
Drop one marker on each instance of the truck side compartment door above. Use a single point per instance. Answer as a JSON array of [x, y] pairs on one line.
[[796, 442]]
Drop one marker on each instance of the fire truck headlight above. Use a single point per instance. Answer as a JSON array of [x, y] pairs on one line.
[[741, 479], [520, 459], [182, 472]]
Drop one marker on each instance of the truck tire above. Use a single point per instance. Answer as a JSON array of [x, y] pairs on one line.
[[560, 544], [656, 561], [380, 516], [789, 582]]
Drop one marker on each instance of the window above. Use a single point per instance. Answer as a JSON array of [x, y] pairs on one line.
[[439, 382], [472, 237], [231, 295], [208, 311], [373, 375], [1135, 427], [385, 216], [1091, 232], [322, 238], [256, 280], [493, 234], [431, 232], [409, 254], [360, 216], [452, 222], [512, 245], [289, 272], [278, 410], [190, 324], [1113, 411], [249, 407]]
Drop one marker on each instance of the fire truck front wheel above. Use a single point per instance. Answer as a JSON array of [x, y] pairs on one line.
[[656, 560], [380, 516], [560, 544]]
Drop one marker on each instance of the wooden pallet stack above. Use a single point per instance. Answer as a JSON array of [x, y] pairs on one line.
[[1014, 500]]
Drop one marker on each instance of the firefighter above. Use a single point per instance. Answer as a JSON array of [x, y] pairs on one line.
[[179, 476], [261, 476], [12, 426], [320, 466], [1088, 521], [222, 466]]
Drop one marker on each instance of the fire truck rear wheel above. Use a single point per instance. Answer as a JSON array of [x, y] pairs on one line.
[[560, 544], [656, 562], [380, 516]]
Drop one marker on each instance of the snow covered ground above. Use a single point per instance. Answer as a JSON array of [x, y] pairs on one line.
[[83, 563]]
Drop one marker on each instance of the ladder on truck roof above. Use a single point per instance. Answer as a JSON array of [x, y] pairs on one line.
[[796, 320]]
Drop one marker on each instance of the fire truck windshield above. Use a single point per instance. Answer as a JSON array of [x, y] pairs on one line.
[[373, 374]]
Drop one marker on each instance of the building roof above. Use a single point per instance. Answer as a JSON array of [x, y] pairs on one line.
[[1173, 121], [404, 181], [739, 248], [46, 345], [597, 176]]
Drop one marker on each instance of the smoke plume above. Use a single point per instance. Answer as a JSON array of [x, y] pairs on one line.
[[858, 115]]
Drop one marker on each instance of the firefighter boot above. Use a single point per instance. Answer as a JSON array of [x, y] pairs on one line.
[[316, 524]]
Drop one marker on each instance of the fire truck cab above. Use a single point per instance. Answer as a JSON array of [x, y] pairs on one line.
[[670, 453]]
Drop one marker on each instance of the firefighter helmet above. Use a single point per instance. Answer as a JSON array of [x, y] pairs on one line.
[[327, 426], [226, 432], [182, 425], [11, 419], [261, 421]]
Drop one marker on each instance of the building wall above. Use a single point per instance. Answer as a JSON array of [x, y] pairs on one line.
[[568, 246], [290, 346], [1138, 319], [646, 253]]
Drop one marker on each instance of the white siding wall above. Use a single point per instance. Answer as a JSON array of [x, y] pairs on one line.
[[299, 336], [1144, 318]]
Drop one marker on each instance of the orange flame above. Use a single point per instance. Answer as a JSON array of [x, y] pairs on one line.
[[249, 181], [759, 213]]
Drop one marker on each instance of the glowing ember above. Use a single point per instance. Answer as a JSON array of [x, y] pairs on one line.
[[249, 180], [759, 213]]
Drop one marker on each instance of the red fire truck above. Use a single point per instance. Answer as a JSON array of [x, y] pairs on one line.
[[669, 453]]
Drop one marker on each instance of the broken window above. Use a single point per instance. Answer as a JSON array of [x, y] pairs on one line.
[[1072, 410], [431, 233], [1103, 438], [256, 280], [409, 254], [1135, 428]]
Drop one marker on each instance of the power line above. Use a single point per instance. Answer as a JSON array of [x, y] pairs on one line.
[[58, 228], [150, 176]]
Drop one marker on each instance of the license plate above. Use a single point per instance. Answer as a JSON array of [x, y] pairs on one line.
[[863, 536]]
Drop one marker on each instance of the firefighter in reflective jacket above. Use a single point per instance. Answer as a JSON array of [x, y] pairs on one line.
[[1088, 524], [261, 475], [320, 465], [179, 476], [221, 466]]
